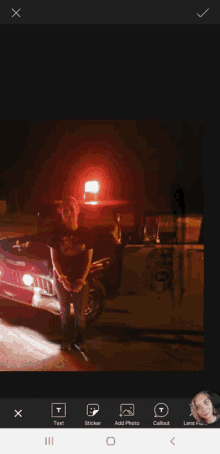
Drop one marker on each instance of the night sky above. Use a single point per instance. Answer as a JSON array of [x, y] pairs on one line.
[[142, 161]]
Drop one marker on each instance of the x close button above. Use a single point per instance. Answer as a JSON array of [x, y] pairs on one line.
[[16, 12], [18, 413]]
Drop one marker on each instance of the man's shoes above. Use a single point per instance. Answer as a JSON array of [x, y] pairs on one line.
[[82, 349], [78, 346]]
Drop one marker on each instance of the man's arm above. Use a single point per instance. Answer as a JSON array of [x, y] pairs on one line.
[[88, 262], [56, 265]]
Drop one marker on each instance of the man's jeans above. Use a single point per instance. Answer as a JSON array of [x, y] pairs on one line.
[[79, 301]]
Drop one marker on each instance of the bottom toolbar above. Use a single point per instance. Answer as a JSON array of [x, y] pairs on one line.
[[201, 411]]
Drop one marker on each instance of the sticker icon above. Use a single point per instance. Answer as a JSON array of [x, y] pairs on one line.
[[92, 409]]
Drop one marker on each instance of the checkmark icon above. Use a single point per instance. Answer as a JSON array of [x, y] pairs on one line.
[[203, 13]]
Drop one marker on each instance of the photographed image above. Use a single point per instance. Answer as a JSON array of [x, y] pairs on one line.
[[102, 246], [205, 407]]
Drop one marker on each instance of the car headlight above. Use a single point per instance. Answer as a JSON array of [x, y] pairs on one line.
[[27, 279]]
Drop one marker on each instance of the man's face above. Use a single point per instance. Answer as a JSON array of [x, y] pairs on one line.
[[203, 406], [69, 216]]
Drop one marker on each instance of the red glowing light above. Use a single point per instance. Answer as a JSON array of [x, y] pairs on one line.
[[92, 187]]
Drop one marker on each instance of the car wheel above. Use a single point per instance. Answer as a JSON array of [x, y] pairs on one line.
[[96, 301]]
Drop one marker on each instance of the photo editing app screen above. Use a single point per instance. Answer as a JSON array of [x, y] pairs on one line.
[[102, 285]]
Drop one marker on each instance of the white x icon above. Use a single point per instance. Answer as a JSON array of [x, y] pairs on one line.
[[18, 413], [16, 12]]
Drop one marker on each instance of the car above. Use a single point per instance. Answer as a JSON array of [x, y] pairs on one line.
[[26, 274]]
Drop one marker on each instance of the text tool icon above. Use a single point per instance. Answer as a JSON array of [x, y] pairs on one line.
[[161, 410], [58, 410], [126, 410], [92, 409]]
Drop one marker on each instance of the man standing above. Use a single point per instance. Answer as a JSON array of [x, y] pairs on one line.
[[71, 253]]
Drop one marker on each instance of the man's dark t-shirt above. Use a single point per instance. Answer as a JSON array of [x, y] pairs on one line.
[[71, 246]]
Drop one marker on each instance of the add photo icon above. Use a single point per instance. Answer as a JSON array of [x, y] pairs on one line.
[[126, 410]]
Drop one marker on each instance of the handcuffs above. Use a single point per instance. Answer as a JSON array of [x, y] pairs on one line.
[[62, 277]]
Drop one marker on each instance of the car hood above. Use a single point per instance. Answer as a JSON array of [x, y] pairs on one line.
[[24, 263]]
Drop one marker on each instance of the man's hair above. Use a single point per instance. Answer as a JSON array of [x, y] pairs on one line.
[[72, 201]]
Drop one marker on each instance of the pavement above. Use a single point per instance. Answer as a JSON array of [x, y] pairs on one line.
[[149, 312], [145, 334], [141, 329], [120, 340]]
